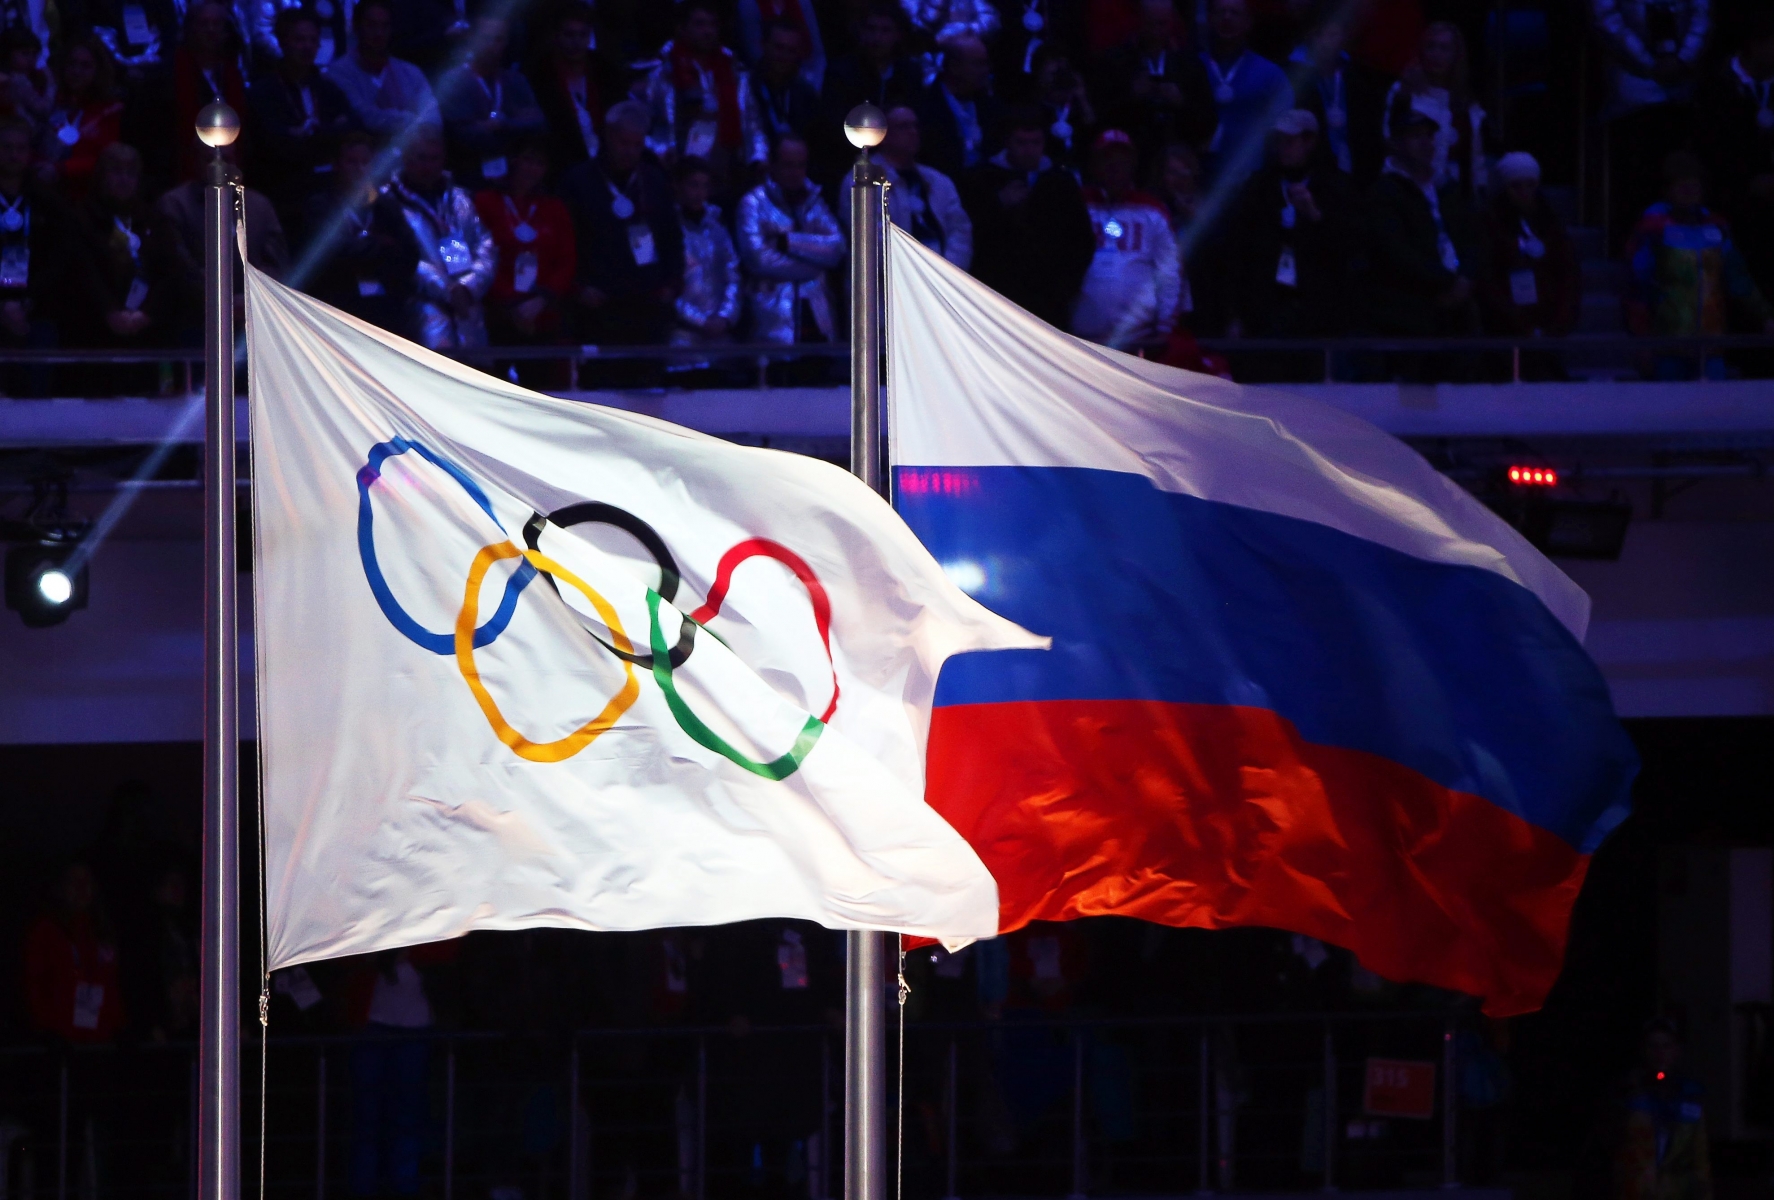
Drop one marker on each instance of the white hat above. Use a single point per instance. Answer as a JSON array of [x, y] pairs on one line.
[[1518, 165], [1296, 121]]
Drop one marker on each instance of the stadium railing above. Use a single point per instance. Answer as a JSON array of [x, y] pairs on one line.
[[1027, 1106]]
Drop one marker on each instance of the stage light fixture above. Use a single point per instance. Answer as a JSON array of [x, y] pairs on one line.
[[1567, 528], [42, 587]]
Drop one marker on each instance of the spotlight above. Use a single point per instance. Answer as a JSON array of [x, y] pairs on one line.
[[54, 586], [41, 587]]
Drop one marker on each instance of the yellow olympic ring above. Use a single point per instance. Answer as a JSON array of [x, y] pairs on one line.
[[523, 747]]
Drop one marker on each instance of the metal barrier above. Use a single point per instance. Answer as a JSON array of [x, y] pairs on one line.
[[756, 359], [1013, 1107]]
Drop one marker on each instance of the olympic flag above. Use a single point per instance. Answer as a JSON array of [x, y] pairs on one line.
[[528, 662], [1298, 678]]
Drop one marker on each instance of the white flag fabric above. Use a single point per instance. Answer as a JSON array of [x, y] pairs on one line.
[[528, 662]]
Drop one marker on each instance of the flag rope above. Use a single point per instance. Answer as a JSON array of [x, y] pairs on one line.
[[259, 780], [904, 992]]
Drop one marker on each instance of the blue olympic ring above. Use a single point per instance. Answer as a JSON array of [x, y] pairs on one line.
[[437, 643]]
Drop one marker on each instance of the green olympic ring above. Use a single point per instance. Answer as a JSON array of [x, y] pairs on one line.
[[777, 768]]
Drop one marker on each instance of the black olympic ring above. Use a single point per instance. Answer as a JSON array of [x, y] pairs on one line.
[[594, 512]]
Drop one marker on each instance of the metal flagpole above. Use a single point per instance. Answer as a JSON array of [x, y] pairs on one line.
[[218, 1103], [865, 985]]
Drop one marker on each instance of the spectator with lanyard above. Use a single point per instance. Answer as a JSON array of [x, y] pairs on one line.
[[73, 989], [921, 200], [702, 102], [1153, 87], [631, 249], [1249, 92], [88, 116], [1130, 294], [120, 293], [1425, 250], [387, 94], [538, 257], [206, 67], [456, 253], [488, 109], [1533, 285], [1346, 99], [1291, 230], [295, 117], [573, 84], [73, 998], [957, 113], [781, 96], [1033, 239], [360, 251], [1436, 84], [788, 240], [1060, 91]]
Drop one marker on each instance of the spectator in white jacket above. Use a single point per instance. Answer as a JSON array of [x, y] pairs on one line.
[[921, 200], [387, 94], [788, 240], [1131, 292], [457, 256]]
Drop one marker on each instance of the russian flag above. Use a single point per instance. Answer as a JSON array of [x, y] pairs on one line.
[[1298, 678]]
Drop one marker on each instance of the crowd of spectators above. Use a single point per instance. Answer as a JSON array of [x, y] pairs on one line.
[[1139, 172], [108, 980]]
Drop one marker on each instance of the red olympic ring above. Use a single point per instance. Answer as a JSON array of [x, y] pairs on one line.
[[822, 605]]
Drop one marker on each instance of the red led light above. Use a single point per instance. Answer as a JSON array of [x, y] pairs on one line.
[[1533, 476], [1660, 1077]]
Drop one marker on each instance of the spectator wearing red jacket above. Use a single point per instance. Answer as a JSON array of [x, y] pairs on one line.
[[88, 116], [537, 254], [71, 969]]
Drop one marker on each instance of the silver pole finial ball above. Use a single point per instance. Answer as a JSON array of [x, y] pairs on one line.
[[865, 126], [217, 125]]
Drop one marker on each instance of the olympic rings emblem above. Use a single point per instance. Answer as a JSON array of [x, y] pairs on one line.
[[659, 658]]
